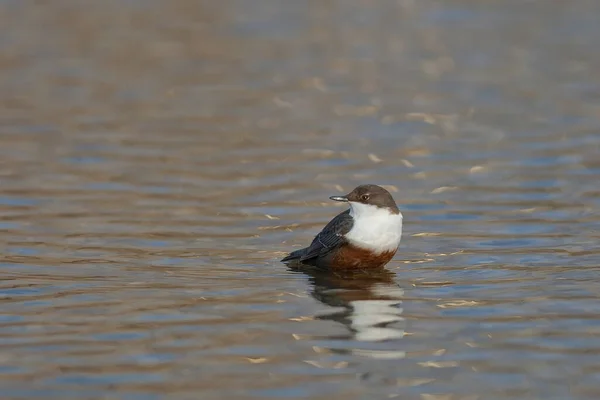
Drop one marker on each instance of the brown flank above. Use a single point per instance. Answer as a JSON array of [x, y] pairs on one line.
[[352, 257]]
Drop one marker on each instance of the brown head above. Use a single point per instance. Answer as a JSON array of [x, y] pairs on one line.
[[372, 195]]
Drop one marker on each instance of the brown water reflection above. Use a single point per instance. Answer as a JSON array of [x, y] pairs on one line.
[[158, 158]]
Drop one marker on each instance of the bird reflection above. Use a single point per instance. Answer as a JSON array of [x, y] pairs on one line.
[[370, 301]]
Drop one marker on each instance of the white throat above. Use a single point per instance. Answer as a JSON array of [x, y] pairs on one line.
[[375, 228]]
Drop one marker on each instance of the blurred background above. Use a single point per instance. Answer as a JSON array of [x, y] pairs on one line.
[[158, 158]]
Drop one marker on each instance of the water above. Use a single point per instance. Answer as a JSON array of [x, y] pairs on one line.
[[157, 160]]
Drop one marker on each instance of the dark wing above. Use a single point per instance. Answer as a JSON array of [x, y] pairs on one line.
[[330, 237]]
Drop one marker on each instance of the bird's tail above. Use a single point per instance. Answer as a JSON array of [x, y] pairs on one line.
[[294, 255]]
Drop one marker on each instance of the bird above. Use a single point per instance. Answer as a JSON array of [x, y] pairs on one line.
[[365, 236]]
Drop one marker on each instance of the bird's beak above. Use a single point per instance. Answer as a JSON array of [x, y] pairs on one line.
[[339, 198]]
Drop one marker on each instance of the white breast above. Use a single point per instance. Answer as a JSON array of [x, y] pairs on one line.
[[374, 228]]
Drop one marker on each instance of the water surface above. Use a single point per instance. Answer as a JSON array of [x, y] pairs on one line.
[[157, 160]]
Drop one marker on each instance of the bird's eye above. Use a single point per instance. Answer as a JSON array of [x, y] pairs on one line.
[[364, 197]]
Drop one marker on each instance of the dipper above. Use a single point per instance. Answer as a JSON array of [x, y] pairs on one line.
[[365, 236]]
